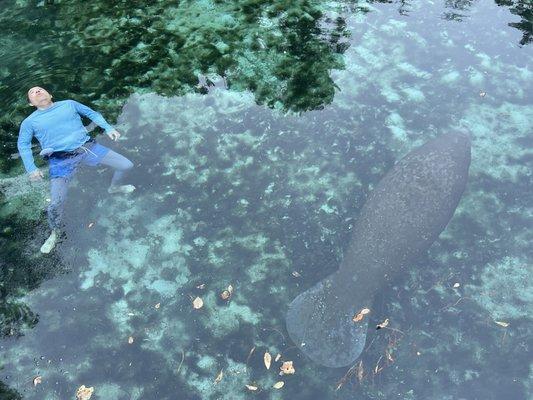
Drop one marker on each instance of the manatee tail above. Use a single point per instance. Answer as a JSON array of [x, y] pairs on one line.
[[324, 330]]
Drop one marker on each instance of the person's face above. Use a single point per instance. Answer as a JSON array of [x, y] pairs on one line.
[[39, 96]]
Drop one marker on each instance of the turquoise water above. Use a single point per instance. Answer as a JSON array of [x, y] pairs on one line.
[[258, 129]]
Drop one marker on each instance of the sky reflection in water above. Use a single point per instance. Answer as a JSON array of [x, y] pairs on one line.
[[235, 192]]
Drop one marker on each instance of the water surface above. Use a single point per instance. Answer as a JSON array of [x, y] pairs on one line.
[[257, 131]]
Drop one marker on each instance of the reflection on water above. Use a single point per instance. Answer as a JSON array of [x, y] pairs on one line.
[[233, 191]]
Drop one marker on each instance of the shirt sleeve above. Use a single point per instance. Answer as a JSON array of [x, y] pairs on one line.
[[94, 116], [24, 146]]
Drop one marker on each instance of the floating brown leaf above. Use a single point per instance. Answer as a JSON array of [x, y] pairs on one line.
[[225, 295], [278, 385], [360, 371], [502, 323], [38, 379], [130, 340], [287, 368], [84, 393], [219, 377], [197, 303], [267, 358], [250, 354], [384, 324], [360, 315], [251, 387], [377, 368]]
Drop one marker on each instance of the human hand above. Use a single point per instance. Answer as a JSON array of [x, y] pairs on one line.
[[114, 135], [36, 175]]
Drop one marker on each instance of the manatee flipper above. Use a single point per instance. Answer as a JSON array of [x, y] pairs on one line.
[[332, 340], [402, 217]]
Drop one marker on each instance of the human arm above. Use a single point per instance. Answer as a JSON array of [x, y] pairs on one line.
[[24, 147], [97, 118], [114, 135]]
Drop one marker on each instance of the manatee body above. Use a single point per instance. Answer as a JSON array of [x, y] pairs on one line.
[[402, 217]]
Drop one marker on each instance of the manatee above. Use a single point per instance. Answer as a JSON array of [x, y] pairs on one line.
[[402, 217]]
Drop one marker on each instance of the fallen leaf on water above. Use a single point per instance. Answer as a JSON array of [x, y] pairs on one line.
[[219, 377], [157, 306], [360, 371], [84, 393], [377, 368], [38, 379], [278, 385], [251, 387], [277, 357], [250, 354], [383, 324], [360, 315], [502, 323], [287, 368], [197, 303], [225, 295], [130, 340], [267, 358]]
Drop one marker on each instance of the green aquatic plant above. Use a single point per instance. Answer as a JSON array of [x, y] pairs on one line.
[[284, 53], [19, 273], [99, 53], [524, 9], [231, 192], [9, 394]]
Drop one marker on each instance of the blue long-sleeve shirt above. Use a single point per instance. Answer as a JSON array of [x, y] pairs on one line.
[[59, 127]]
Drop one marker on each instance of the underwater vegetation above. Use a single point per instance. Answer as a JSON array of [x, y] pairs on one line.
[[523, 9], [282, 52], [101, 52], [252, 167]]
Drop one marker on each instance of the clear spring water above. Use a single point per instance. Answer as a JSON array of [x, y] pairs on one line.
[[257, 130]]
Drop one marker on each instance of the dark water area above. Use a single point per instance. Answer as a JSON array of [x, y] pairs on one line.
[[257, 131]]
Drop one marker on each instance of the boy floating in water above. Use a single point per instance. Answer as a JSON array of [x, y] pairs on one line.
[[65, 144]]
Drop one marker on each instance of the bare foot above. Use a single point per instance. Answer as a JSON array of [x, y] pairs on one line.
[[50, 243], [124, 189]]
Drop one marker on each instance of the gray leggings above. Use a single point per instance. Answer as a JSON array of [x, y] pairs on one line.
[[59, 186]]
